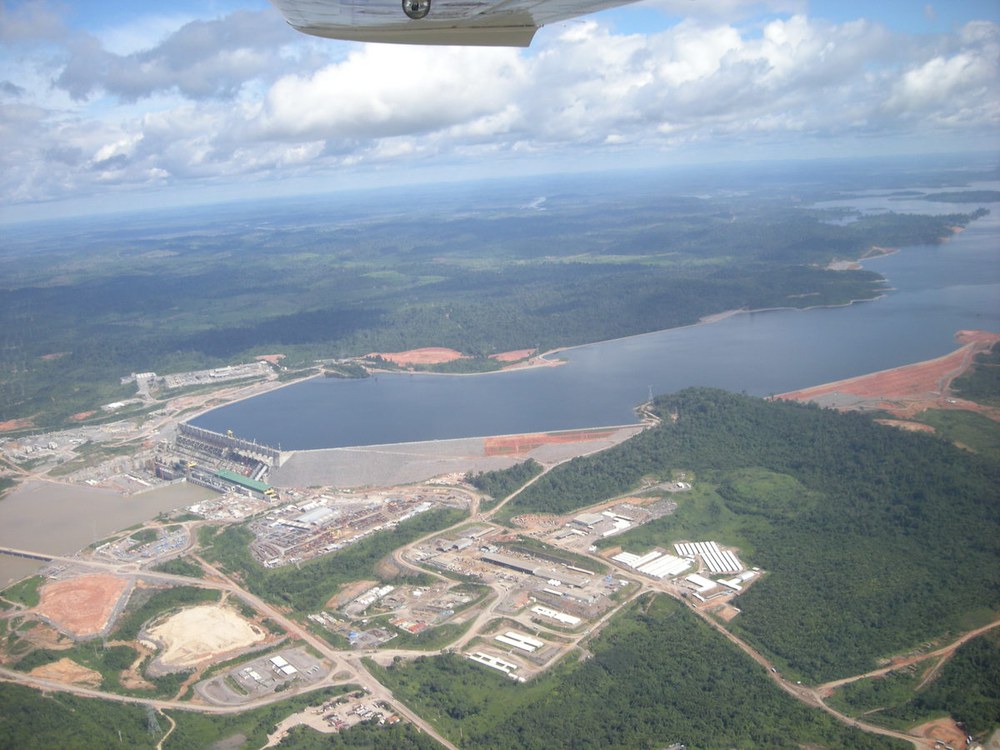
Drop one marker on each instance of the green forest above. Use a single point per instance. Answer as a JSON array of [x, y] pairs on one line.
[[84, 305], [500, 483], [30, 719], [874, 539], [967, 688], [657, 676]]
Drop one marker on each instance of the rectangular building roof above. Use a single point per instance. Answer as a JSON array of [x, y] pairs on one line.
[[251, 484]]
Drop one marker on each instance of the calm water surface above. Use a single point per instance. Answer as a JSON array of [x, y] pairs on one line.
[[75, 517], [937, 290]]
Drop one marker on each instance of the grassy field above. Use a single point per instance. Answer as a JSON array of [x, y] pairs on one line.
[[968, 430]]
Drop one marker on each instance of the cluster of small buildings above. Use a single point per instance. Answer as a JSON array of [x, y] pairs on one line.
[[201, 377], [127, 548], [564, 575], [584, 529], [294, 532], [261, 675], [359, 604], [281, 667], [716, 562], [378, 711]]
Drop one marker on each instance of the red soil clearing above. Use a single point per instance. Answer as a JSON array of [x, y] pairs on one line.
[[272, 358], [431, 355], [514, 356], [908, 390], [945, 731], [54, 355], [79, 417], [16, 424], [81, 606], [513, 445]]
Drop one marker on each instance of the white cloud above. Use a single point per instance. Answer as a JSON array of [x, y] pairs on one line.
[[200, 60], [242, 97], [384, 90]]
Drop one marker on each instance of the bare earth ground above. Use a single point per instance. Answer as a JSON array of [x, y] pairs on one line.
[[727, 612], [429, 355], [514, 356], [906, 391], [349, 591], [81, 606], [309, 717], [945, 730], [200, 633], [436, 355], [67, 670], [519, 445], [16, 424], [43, 635]]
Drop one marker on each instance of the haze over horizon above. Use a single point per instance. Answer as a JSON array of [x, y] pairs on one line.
[[200, 103]]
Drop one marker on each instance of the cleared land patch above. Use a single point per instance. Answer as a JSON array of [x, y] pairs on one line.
[[81, 606], [67, 670], [908, 390], [514, 356], [517, 445], [199, 634], [430, 355]]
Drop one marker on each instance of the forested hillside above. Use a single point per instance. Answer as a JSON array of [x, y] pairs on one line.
[[966, 688], [658, 676], [893, 540], [481, 272]]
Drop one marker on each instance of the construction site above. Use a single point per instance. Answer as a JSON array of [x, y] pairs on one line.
[[380, 614], [316, 522], [224, 463]]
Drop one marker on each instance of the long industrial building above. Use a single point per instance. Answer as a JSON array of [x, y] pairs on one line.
[[718, 560], [655, 564]]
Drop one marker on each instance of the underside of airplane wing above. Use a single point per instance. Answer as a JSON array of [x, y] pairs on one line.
[[510, 23]]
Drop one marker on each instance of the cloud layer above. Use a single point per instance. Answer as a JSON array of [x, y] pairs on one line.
[[242, 97]]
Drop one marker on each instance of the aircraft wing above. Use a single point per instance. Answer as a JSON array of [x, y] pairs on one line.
[[505, 23]]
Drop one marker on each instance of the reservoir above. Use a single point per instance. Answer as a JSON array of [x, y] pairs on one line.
[[74, 517], [936, 291]]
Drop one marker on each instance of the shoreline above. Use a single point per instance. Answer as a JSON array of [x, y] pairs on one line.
[[906, 390], [549, 358], [542, 360]]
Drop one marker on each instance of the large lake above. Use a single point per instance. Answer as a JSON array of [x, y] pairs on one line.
[[937, 290]]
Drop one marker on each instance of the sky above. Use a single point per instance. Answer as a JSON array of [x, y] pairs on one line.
[[107, 105]]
